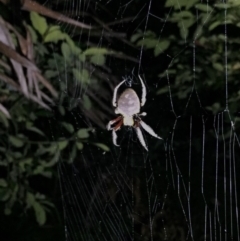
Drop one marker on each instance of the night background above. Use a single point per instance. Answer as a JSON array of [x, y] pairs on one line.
[[61, 176]]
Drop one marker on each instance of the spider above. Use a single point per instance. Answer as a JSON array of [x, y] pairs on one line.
[[128, 106]]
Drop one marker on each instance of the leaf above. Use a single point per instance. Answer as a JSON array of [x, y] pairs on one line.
[[3, 182], [148, 43], [214, 25], [5, 194], [169, 3], [73, 154], [24, 162], [15, 141], [79, 145], [40, 213], [4, 120], [222, 5], [52, 162], [98, 59], [30, 199], [184, 33], [35, 129], [191, 3], [218, 67], [74, 49], [62, 145], [135, 37], [68, 127], [66, 51], [162, 90], [82, 57], [38, 22], [53, 28], [61, 110], [96, 51], [81, 75], [83, 133], [51, 73], [203, 7], [54, 36], [7, 211], [102, 146], [180, 3], [161, 47], [87, 102]]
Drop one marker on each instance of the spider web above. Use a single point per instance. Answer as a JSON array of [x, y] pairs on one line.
[[185, 187]]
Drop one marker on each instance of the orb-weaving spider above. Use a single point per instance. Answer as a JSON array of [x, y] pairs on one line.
[[128, 106]]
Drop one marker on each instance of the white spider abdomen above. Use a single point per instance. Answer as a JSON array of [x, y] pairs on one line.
[[128, 104]]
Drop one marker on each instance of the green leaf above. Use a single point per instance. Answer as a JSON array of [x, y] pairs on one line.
[[61, 110], [169, 3], [54, 36], [79, 145], [148, 43], [66, 51], [35, 129], [3, 182], [98, 59], [15, 141], [162, 90], [218, 67], [53, 28], [73, 154], [102, 146], [214, 25], [62, 145], [40, 213], [135, 37], [24, 162], [30, 199], [222, 5], [83, 133], [74, 49], [96, 51], [51, 73], [180, 3], [82, 57], [87, 102], [4, 119], [68, 127], [38, 22], [52, 162], [203, 7], [81, 75], [184, 33], [5, 194], [161, 47], [7, 211]]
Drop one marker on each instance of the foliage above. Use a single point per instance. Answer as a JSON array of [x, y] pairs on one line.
[[32, 140], [205, 34]]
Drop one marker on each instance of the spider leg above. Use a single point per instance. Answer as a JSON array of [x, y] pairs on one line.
[[118, 126], [148, 129], [112, 122], [142, 114], [114, 100], [114, 137], [140, 137], [144, 92]]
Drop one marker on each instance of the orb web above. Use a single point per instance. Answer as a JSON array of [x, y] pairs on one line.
[[186, 186]]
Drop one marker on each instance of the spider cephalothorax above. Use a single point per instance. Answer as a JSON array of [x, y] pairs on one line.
[[128, 106]]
